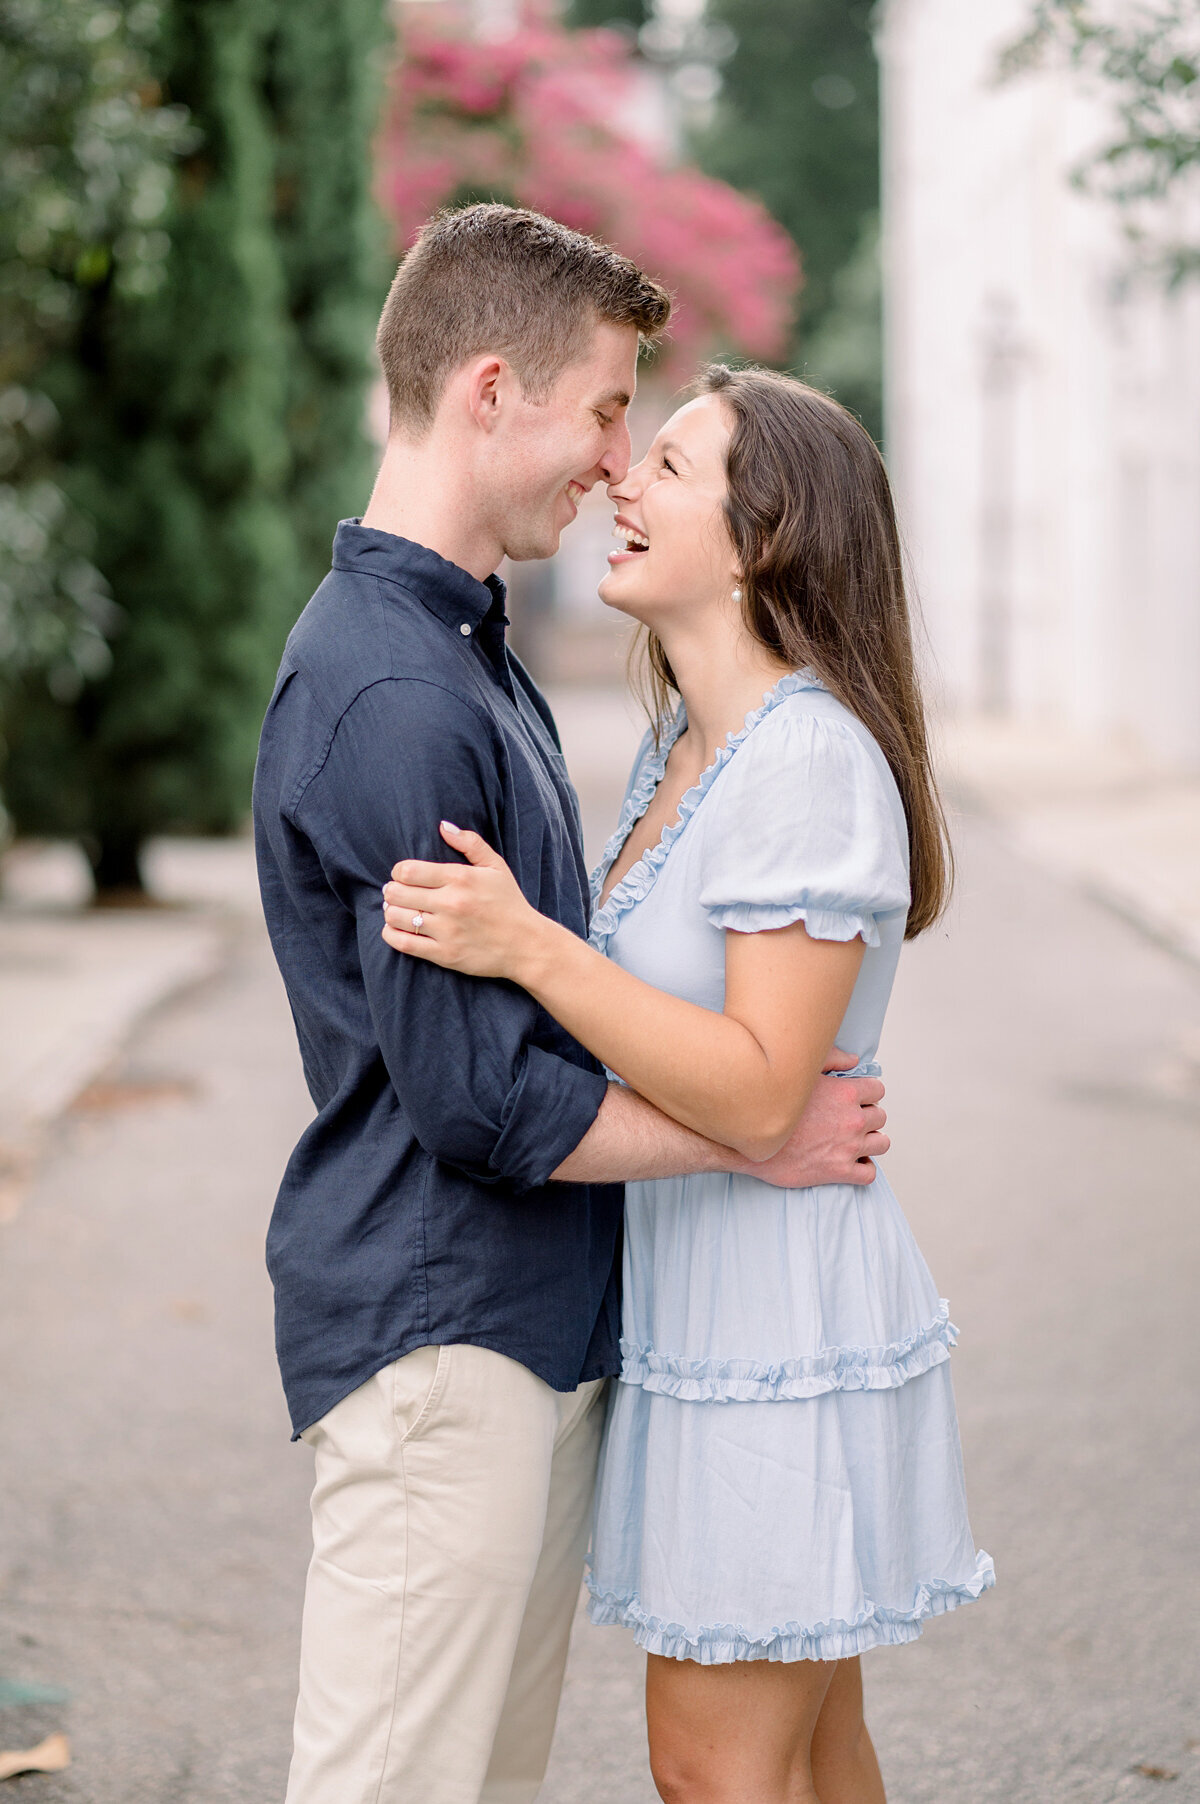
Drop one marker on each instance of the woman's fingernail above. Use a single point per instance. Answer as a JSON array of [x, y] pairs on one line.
[[451, 826]]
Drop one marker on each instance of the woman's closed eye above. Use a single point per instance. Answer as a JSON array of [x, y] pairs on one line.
[[668, 465]]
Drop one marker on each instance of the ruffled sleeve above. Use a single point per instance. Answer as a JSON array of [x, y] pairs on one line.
[[802, 828]]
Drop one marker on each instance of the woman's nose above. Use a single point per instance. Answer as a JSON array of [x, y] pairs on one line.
[[629, 486]]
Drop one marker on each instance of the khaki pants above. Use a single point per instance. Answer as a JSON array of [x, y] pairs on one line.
[[450, 1522]]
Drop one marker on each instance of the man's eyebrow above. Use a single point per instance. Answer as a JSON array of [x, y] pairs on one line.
[[616, 398]]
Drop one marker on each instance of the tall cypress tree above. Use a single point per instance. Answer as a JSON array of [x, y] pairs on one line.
[[86, 159], [172, 428], [323, 90], [214, 431]]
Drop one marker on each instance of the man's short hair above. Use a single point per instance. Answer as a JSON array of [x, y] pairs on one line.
[[496, 278]]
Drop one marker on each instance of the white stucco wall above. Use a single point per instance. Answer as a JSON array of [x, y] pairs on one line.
[[1043, 418]]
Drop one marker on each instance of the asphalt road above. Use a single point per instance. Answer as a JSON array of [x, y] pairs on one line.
[[153, 1516]]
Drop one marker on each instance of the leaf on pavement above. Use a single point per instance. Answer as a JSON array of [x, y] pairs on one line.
[[1148, 1771], [50, 1756]]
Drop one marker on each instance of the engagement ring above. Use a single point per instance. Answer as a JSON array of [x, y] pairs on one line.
[[418, 922]]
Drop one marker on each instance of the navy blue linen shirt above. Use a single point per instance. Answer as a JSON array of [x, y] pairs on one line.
[[416, 1209]]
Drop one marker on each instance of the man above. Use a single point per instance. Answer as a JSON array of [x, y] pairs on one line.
[[445, 1243]]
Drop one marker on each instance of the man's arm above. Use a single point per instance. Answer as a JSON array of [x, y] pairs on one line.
[[837, 1140], [477, 1088]]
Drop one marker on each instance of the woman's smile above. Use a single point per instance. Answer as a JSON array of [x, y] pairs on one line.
[[634, 542]]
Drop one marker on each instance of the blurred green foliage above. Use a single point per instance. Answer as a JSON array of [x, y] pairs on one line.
[[86, 152], [796, 122], [213, 427], [608, 12], [323, 89], [1147, 62], [843, 351]]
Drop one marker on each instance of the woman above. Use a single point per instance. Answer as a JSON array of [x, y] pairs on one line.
[[781, 1484]]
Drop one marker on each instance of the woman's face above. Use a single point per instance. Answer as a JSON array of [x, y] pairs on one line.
[[675, 562]]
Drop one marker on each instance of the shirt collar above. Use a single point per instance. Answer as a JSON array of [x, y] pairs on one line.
[[452, 594]]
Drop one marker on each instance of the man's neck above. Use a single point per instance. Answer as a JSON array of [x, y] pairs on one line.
[[423, 493]]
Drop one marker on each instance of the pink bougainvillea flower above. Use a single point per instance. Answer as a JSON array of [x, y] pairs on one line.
[[535, 118]]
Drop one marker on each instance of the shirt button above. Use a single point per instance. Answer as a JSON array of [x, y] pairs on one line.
[[465, 630]]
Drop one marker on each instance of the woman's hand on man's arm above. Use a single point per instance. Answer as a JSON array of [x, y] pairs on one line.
[[743, 1078], [470, 917]]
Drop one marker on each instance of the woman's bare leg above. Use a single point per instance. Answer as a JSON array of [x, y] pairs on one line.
[[844, 1767], [736, 1734]]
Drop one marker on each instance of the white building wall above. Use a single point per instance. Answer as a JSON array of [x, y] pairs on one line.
[[1043, 416]]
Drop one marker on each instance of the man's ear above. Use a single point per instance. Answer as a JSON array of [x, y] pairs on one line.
[[487, 380]]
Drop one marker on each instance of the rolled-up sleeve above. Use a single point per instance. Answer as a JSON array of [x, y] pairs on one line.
[[462, 1053]]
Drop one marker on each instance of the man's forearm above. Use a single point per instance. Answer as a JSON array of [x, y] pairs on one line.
[[836, 1142], [630, 1139]]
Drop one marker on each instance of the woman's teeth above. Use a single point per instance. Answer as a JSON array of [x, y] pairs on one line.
[[634, 541]]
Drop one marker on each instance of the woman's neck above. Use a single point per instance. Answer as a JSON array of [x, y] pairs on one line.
[[720, 680]]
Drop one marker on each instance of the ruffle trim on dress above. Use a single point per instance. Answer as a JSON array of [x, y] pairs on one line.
[[753, 1381], [641, 877], [822, 923], [724, 1642]]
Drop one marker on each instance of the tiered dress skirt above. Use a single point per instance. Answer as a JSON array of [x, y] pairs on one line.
[[781, 1479]]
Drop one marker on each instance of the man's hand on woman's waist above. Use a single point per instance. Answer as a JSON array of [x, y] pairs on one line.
[[838, 1138]]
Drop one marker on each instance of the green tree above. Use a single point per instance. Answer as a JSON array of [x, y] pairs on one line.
[[208, 427], [590, 13], [323, 87], [1147, 65], [86, 153], [797, 123], [173, 432]]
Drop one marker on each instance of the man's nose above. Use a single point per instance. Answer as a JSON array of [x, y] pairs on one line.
[[614, 465]]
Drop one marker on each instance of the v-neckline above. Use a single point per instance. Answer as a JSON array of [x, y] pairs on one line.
[[661, 758]]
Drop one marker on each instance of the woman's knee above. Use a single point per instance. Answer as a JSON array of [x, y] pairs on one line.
[[729, 1734], [672, 1784], [682, 1773], [690, 1774]]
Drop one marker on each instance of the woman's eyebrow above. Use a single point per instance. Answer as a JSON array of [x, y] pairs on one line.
[[676, 450]]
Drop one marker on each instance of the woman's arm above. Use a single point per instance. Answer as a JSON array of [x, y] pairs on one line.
[[741, 1077]]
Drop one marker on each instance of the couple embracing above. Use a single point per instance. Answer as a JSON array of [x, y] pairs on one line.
[[565, 1138]]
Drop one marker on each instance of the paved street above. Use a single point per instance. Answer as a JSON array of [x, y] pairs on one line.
[[1046, 1106]]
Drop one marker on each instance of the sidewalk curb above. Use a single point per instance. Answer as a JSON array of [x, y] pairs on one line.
[[1119, 831], [73, 990]]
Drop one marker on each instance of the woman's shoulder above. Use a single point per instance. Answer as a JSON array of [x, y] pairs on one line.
[[806, 824], [803, 729]]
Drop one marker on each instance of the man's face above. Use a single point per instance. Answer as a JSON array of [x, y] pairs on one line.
[[549, 454]]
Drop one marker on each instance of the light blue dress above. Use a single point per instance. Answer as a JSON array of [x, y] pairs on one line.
[[781, 1476]]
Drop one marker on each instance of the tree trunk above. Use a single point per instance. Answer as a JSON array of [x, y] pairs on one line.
[[116, 863]]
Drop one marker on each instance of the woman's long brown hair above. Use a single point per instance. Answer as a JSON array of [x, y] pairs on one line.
[[810, 514]]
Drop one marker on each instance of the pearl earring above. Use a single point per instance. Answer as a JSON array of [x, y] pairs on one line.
[[737, 595]]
